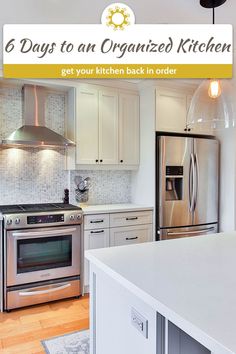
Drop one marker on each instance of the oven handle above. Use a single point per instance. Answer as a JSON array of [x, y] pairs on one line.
[[47, 291], [43, 233]]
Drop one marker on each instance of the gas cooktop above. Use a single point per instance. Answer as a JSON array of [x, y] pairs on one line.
[[38, 208]]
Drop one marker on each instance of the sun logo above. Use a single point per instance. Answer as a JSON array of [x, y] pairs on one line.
[[118, 18]]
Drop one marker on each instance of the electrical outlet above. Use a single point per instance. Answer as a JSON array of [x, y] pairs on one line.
[[139, 322]]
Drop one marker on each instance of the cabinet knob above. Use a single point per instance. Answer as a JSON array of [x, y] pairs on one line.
[[96, 160], [185, 129], [101, 160], [121, 161], [189, 129]]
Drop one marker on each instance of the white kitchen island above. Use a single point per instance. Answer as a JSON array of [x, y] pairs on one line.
[[168, 297]]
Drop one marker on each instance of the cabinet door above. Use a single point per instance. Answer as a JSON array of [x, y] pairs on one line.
[[128, 129], [131, 234], [94, 239], [171, 111], [87, 125], [108, 127]]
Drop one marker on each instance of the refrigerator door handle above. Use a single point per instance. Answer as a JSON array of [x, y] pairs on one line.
[[196, 232], [191, 182], [196, 181]]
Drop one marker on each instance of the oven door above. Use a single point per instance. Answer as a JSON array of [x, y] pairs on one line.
[[43, 254]]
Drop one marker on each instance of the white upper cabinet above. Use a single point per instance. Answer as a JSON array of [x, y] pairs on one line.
[[87, 125], [108, 127], [171, 111], [171, 108], [128, 129]]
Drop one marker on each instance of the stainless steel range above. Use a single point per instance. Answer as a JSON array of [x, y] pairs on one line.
[[41, 246]]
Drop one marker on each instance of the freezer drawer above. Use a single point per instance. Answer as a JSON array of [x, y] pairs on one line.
[[180, 232], [40, 294]]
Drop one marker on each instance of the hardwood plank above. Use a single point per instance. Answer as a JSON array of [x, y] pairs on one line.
[[21, 330], [61, 320], [34, 347], [14, 329]]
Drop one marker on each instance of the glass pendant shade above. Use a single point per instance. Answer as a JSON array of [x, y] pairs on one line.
[[212, 106]]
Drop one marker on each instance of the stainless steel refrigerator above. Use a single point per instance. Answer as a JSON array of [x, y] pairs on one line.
[[187, 179]]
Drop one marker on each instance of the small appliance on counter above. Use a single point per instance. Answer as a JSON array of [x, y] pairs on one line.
[[41, 251], [187, 178]]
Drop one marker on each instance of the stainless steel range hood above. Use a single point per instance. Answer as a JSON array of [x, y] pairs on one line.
[[34, 133]]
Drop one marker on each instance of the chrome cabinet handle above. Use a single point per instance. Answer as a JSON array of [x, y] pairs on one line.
[[132, 218], [44, 233], [131, 238], [96, 221], [46, 291], [96, 232]]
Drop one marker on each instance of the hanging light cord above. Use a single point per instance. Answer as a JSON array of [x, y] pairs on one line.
[[213, 15]]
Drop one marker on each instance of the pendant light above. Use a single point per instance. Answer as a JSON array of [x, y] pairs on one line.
[[212, 104]]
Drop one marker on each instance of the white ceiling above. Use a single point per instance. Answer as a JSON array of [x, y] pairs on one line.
[[89, 11]]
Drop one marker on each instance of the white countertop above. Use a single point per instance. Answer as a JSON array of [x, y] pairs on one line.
[[112, 208], [191, 281]]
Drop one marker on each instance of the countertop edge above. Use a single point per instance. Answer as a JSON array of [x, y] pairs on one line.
[[165, 311], [103, 209]]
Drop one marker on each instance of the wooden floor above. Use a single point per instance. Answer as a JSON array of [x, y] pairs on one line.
[[22, 330]]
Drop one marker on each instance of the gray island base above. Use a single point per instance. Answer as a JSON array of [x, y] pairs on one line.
[[169, 297]]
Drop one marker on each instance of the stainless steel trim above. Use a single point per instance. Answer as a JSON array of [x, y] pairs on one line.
[[14, 278], [191, 182], [34, 132], [197, 180], [15, 300], [23, 224], [196, 232], [43, 233], [47, 291]]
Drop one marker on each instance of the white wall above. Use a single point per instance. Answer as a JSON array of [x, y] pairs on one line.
[[143, 180], [227, 199]]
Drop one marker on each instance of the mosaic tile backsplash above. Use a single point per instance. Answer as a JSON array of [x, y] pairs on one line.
[[38, 176], [107, 187]]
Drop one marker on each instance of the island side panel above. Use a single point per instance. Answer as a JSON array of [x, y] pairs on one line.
[[111, 327]]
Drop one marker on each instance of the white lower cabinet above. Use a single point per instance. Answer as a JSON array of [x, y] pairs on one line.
[[115, 229], [130, 234], [94, 239]]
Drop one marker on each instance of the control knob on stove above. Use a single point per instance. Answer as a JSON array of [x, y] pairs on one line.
[[17, 221], [72, 217], [9, 221]]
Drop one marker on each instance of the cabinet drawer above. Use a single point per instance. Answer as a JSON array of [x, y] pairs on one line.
[[98, 221], [130, 218], [128, 235]]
